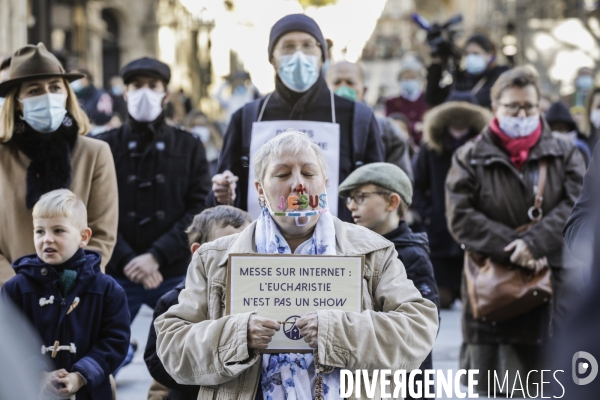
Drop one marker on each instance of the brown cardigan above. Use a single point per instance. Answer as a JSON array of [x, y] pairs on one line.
[[93, 180]]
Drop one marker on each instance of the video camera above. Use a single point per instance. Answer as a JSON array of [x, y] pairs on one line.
[[441, 38]]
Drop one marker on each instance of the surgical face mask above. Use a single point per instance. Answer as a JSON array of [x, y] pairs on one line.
[[44, 113], [410, 88], [144, 105], [1, 102], [595, 118], [201, 132], [77, 86], [475, 64], [117, 90], [347, 92], [572, 135], [458, 133], [306, 206], [240, 90], [298, 71], [584, 82], [517, 127]]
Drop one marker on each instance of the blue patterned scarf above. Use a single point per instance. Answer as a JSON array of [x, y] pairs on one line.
[[292, 376]]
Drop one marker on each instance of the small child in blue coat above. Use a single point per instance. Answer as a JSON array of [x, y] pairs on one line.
[[79, 312]]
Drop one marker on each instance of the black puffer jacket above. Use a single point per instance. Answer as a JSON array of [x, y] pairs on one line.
[[413, 251], [432, 166], [163, 180], [155, 366], [313, 105]]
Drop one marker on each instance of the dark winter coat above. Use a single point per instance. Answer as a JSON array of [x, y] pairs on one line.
[[97, 104], [559, 113], [395, 144], [98, 326], [155, 366], [463, 86], [581, 227], [413, 251], [163, 180], [433, 163], [487, 198], [313, 105]]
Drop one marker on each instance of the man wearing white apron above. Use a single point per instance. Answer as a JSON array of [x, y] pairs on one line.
[[347, 131]]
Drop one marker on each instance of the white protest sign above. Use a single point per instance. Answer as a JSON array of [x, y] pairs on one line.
[[286, 287], [325, 134]]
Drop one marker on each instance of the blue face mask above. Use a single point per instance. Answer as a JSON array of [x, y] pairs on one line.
[[584, 82], [1, 102], [475, 64], [298, 71], [77, 86], [44, 113], [117, 90], [410, 88]]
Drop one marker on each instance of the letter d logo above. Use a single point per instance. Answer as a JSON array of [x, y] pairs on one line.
[[583, 367]]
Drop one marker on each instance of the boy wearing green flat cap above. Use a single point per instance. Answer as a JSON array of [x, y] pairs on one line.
[[378, 196]]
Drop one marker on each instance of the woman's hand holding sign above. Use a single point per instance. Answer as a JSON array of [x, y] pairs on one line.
[[260, 331], [309, 329]]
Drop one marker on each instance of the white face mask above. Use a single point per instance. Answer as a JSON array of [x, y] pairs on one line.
[[572, 135], [517, 127], [595, 118], [44, 113], [1, 102], [144, 105], [202, 132], [458, 133]]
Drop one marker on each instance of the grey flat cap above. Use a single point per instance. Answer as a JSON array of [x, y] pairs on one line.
[[384, 175]]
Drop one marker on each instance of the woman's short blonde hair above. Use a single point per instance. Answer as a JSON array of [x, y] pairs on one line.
[[291, 140], [9, 108], [62, 203]]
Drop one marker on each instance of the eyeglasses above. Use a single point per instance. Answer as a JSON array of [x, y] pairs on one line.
[[307, 47], [360, 197], [514, 108]]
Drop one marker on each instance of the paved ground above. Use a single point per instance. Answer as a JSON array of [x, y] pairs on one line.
[[133, 381]]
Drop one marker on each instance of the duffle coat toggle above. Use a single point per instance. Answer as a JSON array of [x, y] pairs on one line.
[[44, 301], [56, 348]]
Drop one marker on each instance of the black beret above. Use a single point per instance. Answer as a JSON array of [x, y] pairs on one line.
[[146, 66]]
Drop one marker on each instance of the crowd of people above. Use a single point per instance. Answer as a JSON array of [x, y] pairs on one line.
[[135, 197]]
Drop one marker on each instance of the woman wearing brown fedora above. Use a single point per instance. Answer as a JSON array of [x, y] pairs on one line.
[[43, 147]]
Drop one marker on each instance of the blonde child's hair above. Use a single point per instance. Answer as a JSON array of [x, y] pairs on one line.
[[62, 203], [7, 113]]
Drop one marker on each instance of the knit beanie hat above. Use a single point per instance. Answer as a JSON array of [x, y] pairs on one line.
[[294, 23]]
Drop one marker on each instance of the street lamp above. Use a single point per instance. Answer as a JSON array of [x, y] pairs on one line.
[[510, 43]]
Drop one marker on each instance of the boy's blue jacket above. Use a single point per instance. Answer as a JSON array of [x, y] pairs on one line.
[[98, 326]]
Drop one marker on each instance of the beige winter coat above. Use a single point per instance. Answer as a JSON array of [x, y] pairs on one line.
[[93, 179], [199, 345]]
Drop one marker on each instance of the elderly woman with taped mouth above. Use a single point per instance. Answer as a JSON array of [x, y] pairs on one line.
[[200, 345]]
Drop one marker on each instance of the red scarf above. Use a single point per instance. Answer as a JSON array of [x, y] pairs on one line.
[[517, 148]]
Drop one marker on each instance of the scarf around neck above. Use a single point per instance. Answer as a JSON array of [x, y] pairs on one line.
[[518, 148], [50, 155], [292, 375]]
